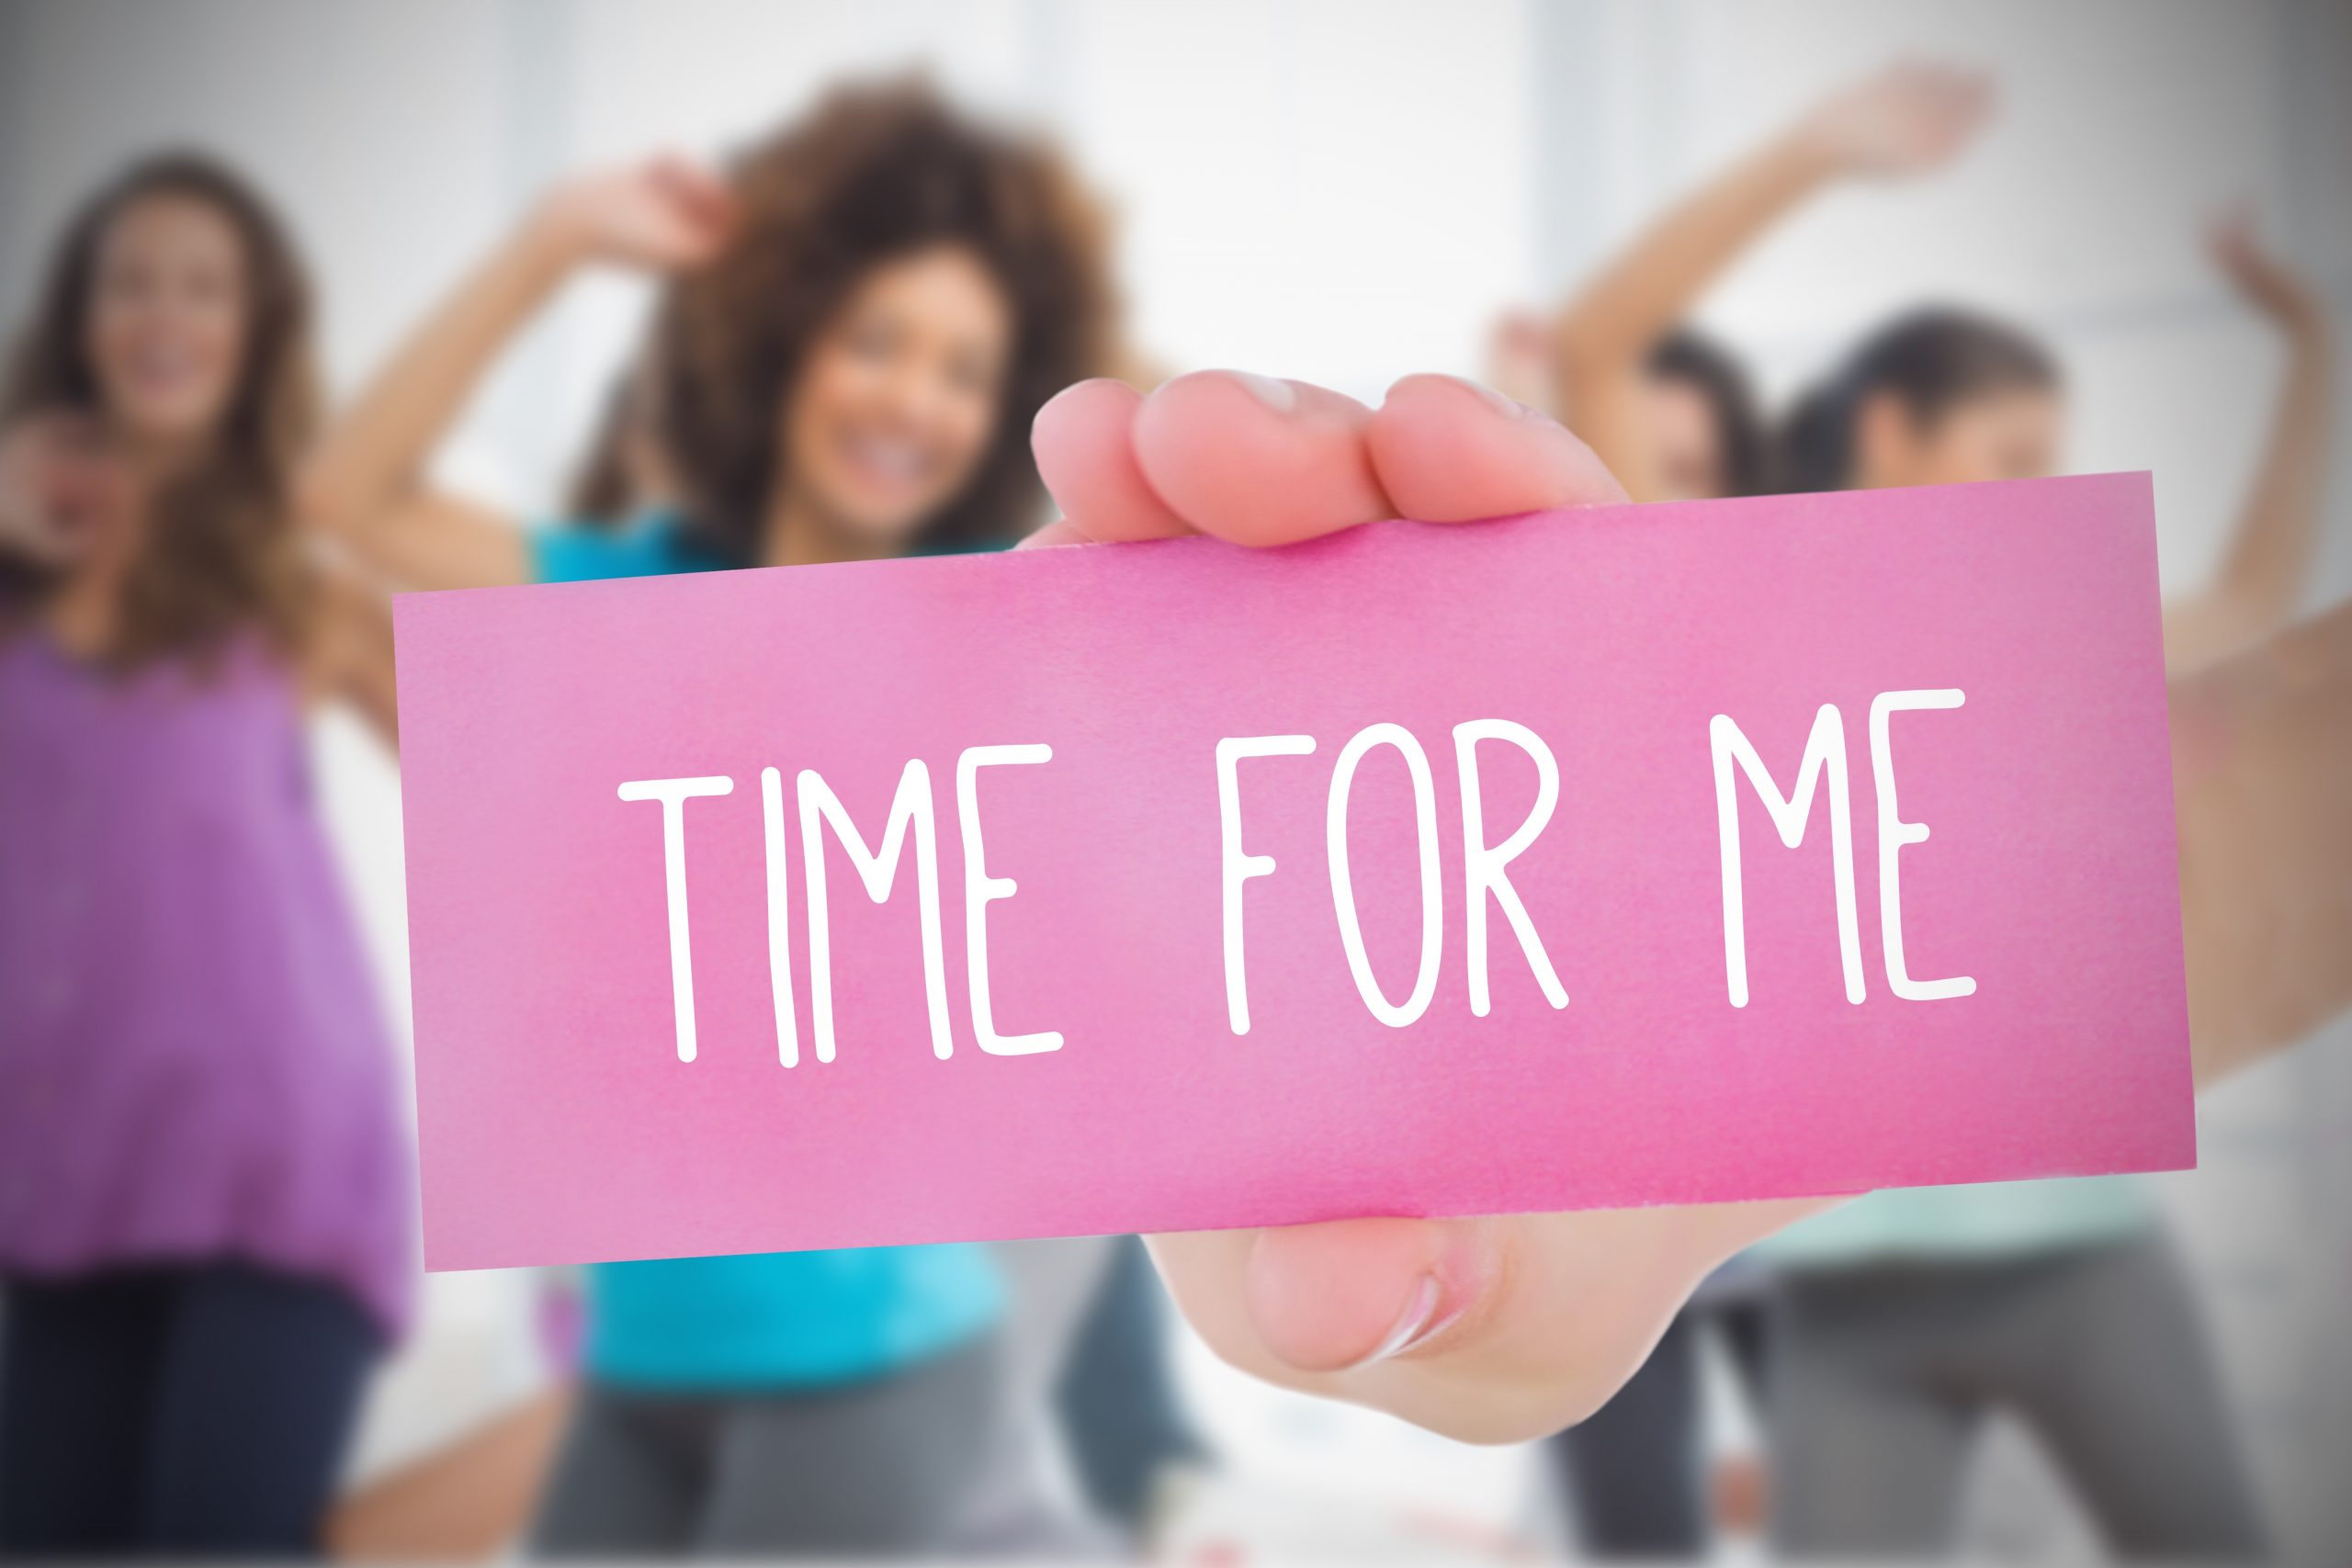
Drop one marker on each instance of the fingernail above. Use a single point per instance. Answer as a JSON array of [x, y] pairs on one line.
[[1509, 408], [1412, 1325], [1277, 395]]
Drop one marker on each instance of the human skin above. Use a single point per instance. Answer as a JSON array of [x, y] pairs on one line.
[[1489, 1329], [1901, 122], [1503, 1329]]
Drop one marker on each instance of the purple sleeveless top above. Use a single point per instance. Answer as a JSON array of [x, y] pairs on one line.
[[193, 1063]]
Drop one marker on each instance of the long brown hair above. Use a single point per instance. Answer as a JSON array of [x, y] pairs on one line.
[[877, 171], [221, 554]]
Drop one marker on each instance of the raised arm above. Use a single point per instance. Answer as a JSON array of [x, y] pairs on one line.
[[1905, 120], [368, 481], [2269, 552], [2262, 775]]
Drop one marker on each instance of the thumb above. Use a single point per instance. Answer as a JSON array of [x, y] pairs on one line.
[[1352, 1292], [1488, 1330]]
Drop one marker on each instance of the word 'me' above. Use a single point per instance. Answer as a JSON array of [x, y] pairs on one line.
[[1825, 756]]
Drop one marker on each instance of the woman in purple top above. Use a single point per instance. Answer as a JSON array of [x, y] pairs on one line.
[[205, 1177]]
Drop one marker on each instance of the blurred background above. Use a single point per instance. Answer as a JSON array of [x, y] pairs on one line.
[[1344, 191]]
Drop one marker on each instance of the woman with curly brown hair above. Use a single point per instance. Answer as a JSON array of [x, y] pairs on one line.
[[865, 313], [205, 1182], [863, 316]]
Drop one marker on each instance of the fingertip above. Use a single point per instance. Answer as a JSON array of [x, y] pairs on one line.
[[1448, 450], [1084, 442], [1257, 460]]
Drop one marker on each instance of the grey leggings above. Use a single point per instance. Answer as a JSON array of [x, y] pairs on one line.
[[1881, 1378], [888, 1467]]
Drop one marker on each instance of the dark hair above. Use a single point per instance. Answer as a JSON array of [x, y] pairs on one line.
[[1932, 361], [876, 172], [608, 486], [1687, 355], [222, 553]]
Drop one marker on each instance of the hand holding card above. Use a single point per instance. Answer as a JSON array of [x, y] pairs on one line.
[[1506, 1327], [1493, 1329]]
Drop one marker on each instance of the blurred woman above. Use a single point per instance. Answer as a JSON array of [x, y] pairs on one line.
[[1909, 1314], [1673, 413], [867, 313], [205, 1211], [1667, 409], [1945, 397]]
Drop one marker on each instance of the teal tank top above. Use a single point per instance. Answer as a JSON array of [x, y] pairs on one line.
[[762, 1320]]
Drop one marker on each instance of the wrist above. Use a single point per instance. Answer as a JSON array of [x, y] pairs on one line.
[[557, 234], [1809, 155], [2304, 326]]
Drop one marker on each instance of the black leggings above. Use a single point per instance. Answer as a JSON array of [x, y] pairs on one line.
[[1636, 1469], [202, 1408], [1123, 1422]]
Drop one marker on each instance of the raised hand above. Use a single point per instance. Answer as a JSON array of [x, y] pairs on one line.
[[2261, 278], [59, 490], [368, 480], [2265, 568], [1906, 120], [664, 214], [1486, 1329]]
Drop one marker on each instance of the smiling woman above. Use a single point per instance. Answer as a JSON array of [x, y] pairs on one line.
[[177, 331], [868, 310], [205, 1183], [860, 365]]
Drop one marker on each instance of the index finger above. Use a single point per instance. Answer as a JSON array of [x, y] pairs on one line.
[[1265, 462], [1451, 451], [1257, 460]]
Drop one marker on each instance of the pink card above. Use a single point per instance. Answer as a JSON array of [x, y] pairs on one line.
[[1418, 871]]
